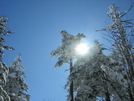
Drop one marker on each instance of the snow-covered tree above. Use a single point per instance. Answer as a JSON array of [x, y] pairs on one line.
[[97, 76], [107, 78], [67, 53], [121, 34], [15, 85], [12, 85], [87, 75], [4, 31]]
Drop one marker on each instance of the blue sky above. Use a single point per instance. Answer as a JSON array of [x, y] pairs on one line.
[[37, 25]]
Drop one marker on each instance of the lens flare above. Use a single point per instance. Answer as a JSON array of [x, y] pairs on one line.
[[82, 48]]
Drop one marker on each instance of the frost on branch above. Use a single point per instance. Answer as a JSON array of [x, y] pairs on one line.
[[3, 79], [98, 75], [67, 50], [3, 32], [15, 84], [3, 73], [86, 73], [4, 70], [119, 74]]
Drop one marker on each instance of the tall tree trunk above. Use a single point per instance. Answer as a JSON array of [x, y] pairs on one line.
[[71, 85], [107, 96]]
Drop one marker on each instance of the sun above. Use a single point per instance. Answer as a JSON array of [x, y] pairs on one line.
[[82, 48]]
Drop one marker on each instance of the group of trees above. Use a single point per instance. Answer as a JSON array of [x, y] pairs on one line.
[[96, 76], [12, 85]]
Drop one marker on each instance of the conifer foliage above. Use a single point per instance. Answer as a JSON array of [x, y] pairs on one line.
[[15, 85], [67, 53], [100, 77], [67, 50], [4, 32], [3, 68], [12, 84]]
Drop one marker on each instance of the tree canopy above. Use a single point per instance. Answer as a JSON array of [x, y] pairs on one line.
[[97, 76]]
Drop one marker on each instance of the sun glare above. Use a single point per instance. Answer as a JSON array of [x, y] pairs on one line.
[[82, 48]]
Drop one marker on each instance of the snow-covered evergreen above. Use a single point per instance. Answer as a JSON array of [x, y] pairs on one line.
[[108, 77], [15, 85], [87, 74], [12, 85], [97, 76], [67, 50], [3, 32], [3, 68]]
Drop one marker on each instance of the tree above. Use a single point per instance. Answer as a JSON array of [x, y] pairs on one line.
[[4, 32], [12, 84], [67, 53], [88, 74], [15, 85], [108, 77], [121, 37], [3, 68], [97, 76]]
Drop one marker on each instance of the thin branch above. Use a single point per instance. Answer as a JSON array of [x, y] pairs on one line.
[[127, 10]]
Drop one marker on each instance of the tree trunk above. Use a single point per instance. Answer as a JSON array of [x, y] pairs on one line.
[[71, 85], [107, 96]]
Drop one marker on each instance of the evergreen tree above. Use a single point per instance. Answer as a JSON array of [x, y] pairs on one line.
[[67, 53], [12, 84], [3, 68], [108, 78], [97, 76], [88, 74], [15, 85]]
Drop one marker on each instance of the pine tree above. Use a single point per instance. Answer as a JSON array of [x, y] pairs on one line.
[[97, 76], [88, 74], [3, 79], [107, 78], [67, 53], [12, 85], [15, 85], [3, 68]]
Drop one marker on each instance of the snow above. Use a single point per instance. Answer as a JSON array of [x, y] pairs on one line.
[[1, 98], [15, 81], [12, 75], [95, 74]]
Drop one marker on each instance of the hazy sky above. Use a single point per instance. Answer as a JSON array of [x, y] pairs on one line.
[[37, 24]]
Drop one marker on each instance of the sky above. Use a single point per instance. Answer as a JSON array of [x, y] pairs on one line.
[[37, 25]]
